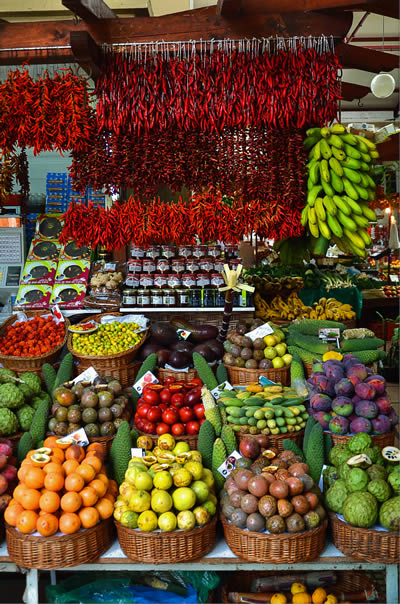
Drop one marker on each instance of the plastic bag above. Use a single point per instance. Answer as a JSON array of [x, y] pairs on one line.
[[147, 595], [77, 590], [202, 581]]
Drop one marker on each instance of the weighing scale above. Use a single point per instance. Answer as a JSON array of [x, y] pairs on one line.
[[12, 261]]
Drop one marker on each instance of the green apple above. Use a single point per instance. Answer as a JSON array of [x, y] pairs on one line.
[[280, 333], [269, 353], [287, 359], [281, 349], [277, 363]]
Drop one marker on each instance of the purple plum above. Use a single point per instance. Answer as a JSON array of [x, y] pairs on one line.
[[321, 402], [313, 378], [367, 409], [369, 371], [332, 371], [365, 391], [339, 425], [322, 418], [344, 387], [356, 399], [349, 357], [381, 424], [325, 385], [354, 380], [392, 415], [384, 404], [352, 417], [357, 369], [342, 406], [360, 424], [378, 382]]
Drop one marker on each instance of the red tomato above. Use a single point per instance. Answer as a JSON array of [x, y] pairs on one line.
[[163, 406], [170, 416], [156, 387], [198, 410], [154, 414], [177, 399], [193, 397], [140, 400], [143, 410], [192, 427], [186, 414], [196, 382], [149, 427], [178, 429], [169, 380], [165, 396], [151, 396], [176, 387], [139, 423], [162, 428]]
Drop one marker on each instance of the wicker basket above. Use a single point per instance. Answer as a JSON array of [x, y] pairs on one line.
[[29, 551], [307, 369], [2, 528], [125, 374], [365, 544], [348, 582], [276, 440], [105, 363], [167, 548], [240, 375], [32, 364], [180, 376], [191, 439], [285, 548], [383, 440]]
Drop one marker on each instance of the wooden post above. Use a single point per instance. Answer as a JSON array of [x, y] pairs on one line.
[[228, 306]]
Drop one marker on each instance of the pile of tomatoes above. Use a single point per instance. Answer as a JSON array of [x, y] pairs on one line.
[[32, 338], [173, 407]]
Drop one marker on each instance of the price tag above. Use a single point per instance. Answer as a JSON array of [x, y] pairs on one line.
[[183, 334], [137, 452], [329, 333], [260, 332], [89, 375], [148, 378], [110, 266], [57, 314], [229, 464], [79, 437], [394, 278], [217, 391], [263, 381]]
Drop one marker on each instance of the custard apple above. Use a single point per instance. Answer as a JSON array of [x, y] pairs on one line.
[[361, 509], [339, 454], [375, 471], [25, 416], [5, 376], [33, 381], [359, 442], [8, 422], [394, 480], [380, 489], [374, 453], [389, 514], [336, 496], [26, 391], [356, 480], [10, 396]]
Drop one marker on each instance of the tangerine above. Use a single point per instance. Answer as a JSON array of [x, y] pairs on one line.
[[54, 481], [105, 508], [99, 487], [96, 447], [12, 513], [49, 502], [54, 467], [103, 478], [70, 466], [34, 478], [94, 461], [30, 499], [89, 496], [50, 442], [71, 502], [74, 482], [112, 487], [89, 517], [18, 492], [75, 452], [87, 472], [22, 472], [47, 525], [26, 522], [301, 598], [58, 453], [69, 523], [110, 497]]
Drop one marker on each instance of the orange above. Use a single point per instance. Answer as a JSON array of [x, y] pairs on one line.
[[49, 502], [69, 523], [74, 482], [18, 492], [70, 466], [30, 499], [12, 513], [87, 472], [96, 447], [89, 496], [99, 487], [58, 453], [56, 514], [64, 443], [34, 478], [51, 442], [89, 517], [26, 522], [75, 452], [53, 467], [71, 502], [319, 595], [22, 472], [94, 461], [54, 481], [105, 508], [112, 487], [31, 452], [109, 497], [301, 598], [103, 478], [47, 525]]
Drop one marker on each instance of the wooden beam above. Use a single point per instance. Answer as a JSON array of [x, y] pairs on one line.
[[86, 52], [229, 8], [354, 91], [88, 10], [387, 8], [357, 57]]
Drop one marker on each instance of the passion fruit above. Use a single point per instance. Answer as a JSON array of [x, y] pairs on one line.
[[285, 508], [239, 518], [255, 522], [258, 486], [300, 504], [279, 489], [275, 525], [249, 503], [295, 523], [267, 506]]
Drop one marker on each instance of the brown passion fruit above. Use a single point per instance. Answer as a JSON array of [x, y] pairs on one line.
[[321, 512], [227, 510], [295, 485], [295, 523], [297, 469], [249, 503], [282, 474], [262, 440], [242, 477], [307, 481], [258, 486], [312, 520], [285, 508], [236, 498], [275, 525], [255, 522], [267, 506], [239, 518], [268, 476], [312, 500], [279, 489], [286, 455], [249, 447], [300, 504]]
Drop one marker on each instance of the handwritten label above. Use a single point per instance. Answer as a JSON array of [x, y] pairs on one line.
[[138, 452], [217, 391], [148, 378], [263, 381], [260, 332], [229, 464], [79, 437], [89, 375], [183, 334]]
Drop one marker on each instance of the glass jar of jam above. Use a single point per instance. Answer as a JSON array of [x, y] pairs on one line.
[[135, 265], [185, 251], [192, 265], [199, 251], [206, 264], [156, 297], [214, 250], [234, 263], [202, 280], [160, 280], [231, 251], [162, 265], [153, 251], [149, 265], [132, 281], [219, 265], [188, 280], [174, 281], [128, 297], [207, 297], [182, 297], [217, 280], [169, 297], [168, 251], [195, 298], [146, 280], [137, 252], [177, 265], [143, 298]]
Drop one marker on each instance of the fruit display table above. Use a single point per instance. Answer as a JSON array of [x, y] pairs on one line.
[[220, 558]]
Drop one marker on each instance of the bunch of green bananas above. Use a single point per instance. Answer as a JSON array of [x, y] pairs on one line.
[[339, 188]]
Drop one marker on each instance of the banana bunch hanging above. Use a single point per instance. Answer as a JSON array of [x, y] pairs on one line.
[[340, 186]]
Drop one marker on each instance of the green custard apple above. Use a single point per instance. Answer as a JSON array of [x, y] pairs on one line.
[[356, 480], [11, 397], [26, 391], [380, 489], [336, 496], [359, 442], [360, 509], [25, 416], [6, 376], [394, 480], [376, 471], [33, 381], [339, 454], [389, 514], [8, 422]]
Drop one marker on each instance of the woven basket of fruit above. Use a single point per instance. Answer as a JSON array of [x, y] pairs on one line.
[[108, 361], [14, 338], [191, 439], [165, 547], [241, 375], [276, 440], [382, 440], [125, 374], [185, 376]]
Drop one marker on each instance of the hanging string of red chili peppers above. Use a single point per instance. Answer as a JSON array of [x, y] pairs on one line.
[[51, 113]]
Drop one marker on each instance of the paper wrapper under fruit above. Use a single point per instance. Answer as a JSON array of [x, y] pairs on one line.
[[231, 278]]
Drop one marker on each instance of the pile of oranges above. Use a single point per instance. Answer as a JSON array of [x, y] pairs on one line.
[[67, 493]]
